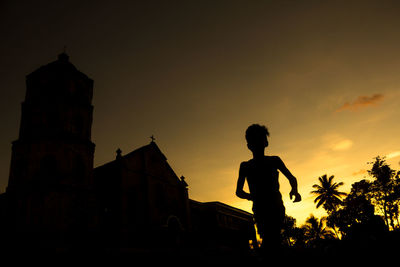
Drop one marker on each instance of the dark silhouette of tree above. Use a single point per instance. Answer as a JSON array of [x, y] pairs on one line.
[[299, 237], [327, 193], [315, 231], [385, 190], [292, 236], [381, 171], [289, 225], [356, 209]]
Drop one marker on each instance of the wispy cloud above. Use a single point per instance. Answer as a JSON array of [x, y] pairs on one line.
[[360, 172], [394, 154], [361, 102], [391, 155], [342, 145]]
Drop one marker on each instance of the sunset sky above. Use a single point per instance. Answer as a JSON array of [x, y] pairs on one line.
[[323, 76]]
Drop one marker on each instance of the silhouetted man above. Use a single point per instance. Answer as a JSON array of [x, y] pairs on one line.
[[262, 174]]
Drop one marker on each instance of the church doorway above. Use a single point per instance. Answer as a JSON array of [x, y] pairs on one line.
[[175, 231]]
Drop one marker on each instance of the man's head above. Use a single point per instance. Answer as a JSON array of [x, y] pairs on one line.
[[256, 137]]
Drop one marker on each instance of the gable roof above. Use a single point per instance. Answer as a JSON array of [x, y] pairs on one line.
[[145, 148], [141, 150]]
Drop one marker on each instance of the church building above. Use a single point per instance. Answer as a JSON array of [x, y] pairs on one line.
[[141, 197], [55, 195]]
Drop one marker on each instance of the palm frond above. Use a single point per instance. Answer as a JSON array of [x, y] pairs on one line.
[[327, 192]]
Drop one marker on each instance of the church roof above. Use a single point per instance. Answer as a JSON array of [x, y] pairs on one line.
[[152, 145], [137, 156], [60, 66], [139, 150]]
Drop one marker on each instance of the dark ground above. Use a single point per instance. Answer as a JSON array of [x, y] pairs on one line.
[[201, 257], [358, 253]]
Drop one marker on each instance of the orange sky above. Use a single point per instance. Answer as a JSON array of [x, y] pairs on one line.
[[322, 75]]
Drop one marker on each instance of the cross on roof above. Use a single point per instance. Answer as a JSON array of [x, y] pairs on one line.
[[119, 154], [152, 138]]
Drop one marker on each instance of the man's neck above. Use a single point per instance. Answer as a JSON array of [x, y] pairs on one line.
[[258, 155]]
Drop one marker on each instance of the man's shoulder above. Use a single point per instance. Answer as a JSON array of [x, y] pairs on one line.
[[275, 161], [245, 163], [273, 158]]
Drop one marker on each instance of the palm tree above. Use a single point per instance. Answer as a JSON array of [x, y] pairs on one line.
[[315, 231], [327, 193]]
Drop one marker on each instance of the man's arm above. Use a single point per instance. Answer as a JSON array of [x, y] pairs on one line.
[[240, 183], [292, 180]]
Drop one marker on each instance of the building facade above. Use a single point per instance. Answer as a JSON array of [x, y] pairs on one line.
[[55, 195], [140, 198], [216, 224]]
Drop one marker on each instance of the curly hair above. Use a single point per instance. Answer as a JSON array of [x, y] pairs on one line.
[[255, 132]]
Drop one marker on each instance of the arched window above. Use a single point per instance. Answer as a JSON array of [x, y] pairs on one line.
[[174, 224]]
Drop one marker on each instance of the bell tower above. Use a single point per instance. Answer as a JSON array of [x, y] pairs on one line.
[[51, 180]]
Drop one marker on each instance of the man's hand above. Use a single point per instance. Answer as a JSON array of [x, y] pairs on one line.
[[296, 195]]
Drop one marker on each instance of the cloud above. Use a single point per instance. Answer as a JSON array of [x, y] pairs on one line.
[[394, 154], [342, 145], [361, 102], [360, 172]]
